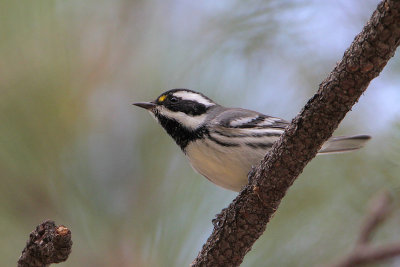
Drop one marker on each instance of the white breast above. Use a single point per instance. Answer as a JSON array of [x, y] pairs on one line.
[[225, 166]]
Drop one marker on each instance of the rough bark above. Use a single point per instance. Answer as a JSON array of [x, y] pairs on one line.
[[237, 227], [47, 244]]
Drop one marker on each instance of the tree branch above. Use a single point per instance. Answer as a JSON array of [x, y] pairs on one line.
[[363, 252], [46, 245], [378, 209], [237, 227]]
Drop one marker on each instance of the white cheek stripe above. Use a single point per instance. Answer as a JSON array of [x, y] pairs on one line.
[[185, 95], [191, 122]]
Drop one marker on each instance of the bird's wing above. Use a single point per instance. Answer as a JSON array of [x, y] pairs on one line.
[[247, 119], [236, 126]]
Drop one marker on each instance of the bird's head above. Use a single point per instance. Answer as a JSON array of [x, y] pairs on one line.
[[181, 112]]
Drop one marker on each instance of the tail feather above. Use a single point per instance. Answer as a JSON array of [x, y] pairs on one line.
[[341, 144]]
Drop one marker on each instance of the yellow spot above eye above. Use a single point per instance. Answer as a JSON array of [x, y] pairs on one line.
[[162, 98]]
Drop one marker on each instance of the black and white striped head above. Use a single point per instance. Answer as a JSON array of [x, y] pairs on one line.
[[181, 112]]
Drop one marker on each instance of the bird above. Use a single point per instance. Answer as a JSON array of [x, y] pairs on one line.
[[221, 143]]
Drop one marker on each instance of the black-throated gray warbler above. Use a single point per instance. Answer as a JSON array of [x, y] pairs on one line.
[[223, 143]]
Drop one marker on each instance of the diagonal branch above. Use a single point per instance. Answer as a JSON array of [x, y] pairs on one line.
[[378, 209], [237, 227], [363, 252]]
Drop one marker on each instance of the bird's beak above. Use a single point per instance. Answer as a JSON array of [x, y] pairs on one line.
[[145, 105]]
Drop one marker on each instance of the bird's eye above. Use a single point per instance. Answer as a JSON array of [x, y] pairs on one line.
[[174, 100]]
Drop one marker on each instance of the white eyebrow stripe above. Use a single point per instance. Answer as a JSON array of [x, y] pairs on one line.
[[185, 95]]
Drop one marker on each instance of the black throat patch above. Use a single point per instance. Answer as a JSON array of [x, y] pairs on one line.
[[180, 134]]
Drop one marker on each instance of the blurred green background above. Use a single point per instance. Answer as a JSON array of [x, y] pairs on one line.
[[74, 149]]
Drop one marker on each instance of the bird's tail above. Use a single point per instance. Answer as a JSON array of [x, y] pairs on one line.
[[341, 144]]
